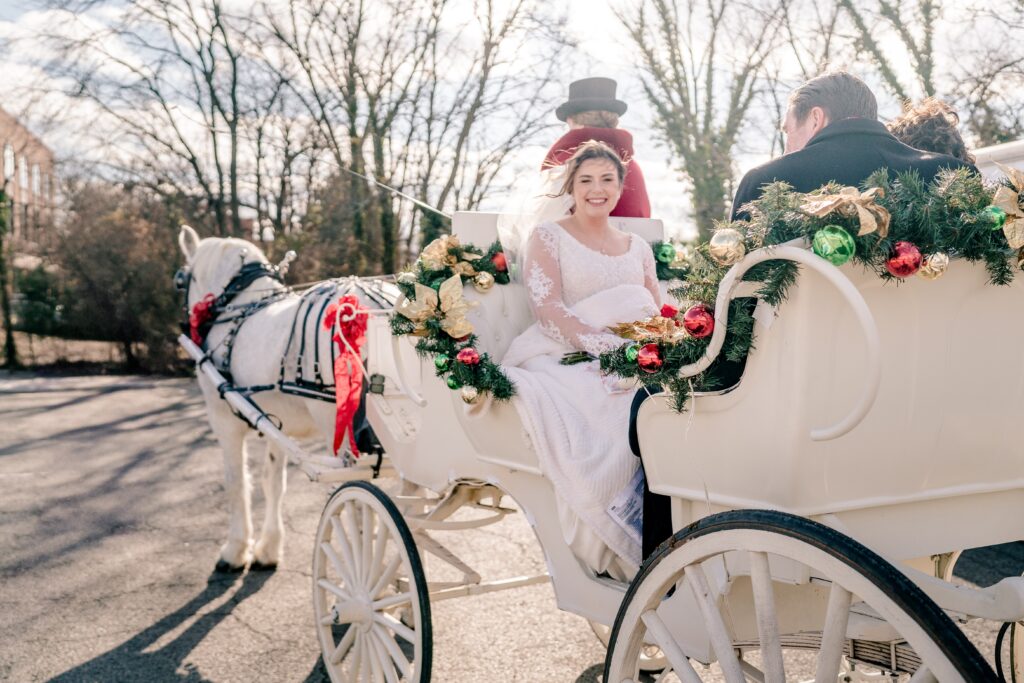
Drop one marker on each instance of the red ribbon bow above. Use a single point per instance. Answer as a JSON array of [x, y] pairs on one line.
[[202, 313], [348, 371]]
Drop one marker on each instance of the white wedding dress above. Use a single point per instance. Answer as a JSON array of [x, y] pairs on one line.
[[576, 418]]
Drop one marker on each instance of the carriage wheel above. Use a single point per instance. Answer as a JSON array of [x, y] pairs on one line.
[[1017, 652], [370, 595], [853, 576], [652, 659]]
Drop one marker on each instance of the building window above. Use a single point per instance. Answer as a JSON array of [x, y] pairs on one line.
[[8, 162], [23, 172], [37, 183]]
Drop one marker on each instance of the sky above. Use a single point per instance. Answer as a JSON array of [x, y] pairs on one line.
[[603, 50], [10, 10]]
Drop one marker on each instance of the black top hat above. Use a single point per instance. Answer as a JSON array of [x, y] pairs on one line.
[[591, 94]]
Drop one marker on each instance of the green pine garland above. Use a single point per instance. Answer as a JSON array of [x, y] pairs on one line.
[[949, 216], [485, 376]]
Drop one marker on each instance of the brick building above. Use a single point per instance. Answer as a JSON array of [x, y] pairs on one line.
[[26, 171]]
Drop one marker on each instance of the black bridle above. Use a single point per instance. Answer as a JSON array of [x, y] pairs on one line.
[[247, 274]]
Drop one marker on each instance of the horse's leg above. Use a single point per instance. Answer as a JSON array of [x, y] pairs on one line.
[[270, 547], [230, 432]]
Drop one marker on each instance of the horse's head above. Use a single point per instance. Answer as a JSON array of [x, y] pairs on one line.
[[211, 263]]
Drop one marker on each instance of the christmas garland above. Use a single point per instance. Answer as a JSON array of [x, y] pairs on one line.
[[897, 226], [435, 311]]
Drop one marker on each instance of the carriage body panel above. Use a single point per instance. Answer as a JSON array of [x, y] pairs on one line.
[[936, 462]]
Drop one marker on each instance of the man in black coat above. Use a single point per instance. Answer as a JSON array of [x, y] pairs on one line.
[[832, 134]]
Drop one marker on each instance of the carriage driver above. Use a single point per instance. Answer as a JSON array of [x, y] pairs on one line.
[[592, 112], [832, 134]]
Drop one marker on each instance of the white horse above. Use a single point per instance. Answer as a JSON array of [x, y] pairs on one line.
[[255, 360]]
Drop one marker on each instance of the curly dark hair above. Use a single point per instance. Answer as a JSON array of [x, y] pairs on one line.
[[931, 126]]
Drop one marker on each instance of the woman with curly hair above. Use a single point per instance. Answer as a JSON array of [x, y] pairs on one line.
[[931, 126]]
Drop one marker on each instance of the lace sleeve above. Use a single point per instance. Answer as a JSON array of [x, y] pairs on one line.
[[651, 273], [543, 280]]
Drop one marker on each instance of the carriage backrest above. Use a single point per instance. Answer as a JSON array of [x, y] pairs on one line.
[[504, 311]]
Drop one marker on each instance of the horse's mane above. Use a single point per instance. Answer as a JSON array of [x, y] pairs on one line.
[[218, 259]]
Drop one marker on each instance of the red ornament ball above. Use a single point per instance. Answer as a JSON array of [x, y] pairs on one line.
[[669, 311], [699, 321], [905, 260], [499, 262], [468, 356], [649, 358]]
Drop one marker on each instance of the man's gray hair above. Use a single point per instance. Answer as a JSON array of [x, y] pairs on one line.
[[842, 95]]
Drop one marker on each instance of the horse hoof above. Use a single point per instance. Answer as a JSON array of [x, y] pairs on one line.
[[223, 567], [258, 566]]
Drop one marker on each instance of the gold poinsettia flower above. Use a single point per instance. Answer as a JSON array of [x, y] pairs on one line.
[[1009, 200], [454, 308], [850, 201], [464, 268], [656, 328], [421, 309], [445, 304], [436, 255]]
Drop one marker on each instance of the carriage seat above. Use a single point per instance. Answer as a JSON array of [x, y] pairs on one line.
[[503, 314]]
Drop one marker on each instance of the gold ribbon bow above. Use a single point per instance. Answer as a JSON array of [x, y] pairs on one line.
[[849, 202], [437, 256], [1010, 201], [446, 304], [656, 328]]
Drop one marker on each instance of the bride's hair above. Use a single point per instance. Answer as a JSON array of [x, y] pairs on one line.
[[591, 149]]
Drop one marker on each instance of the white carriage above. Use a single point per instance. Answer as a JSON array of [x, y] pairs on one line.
[[818, 505]]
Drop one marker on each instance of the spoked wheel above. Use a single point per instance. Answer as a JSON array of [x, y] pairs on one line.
[[370, 595], [708, 594], [652, 659]]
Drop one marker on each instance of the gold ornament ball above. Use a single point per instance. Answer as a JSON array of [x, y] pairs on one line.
[[469, 394], [726, 247], [483, 281], [934, 266]]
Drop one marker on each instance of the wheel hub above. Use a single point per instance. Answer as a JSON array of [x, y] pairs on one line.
[[356, 611]]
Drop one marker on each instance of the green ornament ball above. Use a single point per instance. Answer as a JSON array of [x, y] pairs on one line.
[[834, 244], [996, 216], [453, 383], [632, 351], [441, 362], [666, 253]]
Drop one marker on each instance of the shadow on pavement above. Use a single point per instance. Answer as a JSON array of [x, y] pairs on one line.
[[989, 565], [131, 661]]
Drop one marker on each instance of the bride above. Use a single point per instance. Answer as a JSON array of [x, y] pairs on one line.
[[583, 275]]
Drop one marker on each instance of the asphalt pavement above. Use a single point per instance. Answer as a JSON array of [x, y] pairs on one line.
[[111, 514]]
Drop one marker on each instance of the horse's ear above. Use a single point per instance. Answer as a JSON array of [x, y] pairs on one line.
[[188, 240]]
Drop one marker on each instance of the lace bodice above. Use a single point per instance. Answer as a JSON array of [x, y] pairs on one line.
[[560, 271]]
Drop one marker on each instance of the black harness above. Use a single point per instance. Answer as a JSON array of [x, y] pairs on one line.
[[303, 337], [247, 274]]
